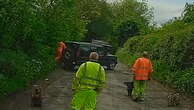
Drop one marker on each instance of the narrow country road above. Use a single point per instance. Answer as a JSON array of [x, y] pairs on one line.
[[114, 97], [57, 94]]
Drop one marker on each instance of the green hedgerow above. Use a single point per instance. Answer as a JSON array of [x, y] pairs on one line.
[[172, 52]]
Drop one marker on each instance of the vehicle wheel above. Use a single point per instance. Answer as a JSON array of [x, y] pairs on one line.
[[67, 60], [67, 55], [112, 66]]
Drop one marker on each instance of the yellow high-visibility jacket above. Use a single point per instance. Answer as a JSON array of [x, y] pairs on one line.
[[90, 75]]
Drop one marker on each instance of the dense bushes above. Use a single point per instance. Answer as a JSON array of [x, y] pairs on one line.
[[171, 50], [114, 22], [18, 70], [29, 32], [166, 45]]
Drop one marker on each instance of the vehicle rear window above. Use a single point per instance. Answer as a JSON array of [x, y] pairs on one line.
[[84, 50]]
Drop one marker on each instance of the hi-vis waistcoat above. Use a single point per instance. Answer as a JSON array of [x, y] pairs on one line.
[[142, 68], [90, 75], [60, 50]]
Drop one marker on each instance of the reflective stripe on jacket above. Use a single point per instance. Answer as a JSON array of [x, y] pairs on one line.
[[90, 75], [142, 69]]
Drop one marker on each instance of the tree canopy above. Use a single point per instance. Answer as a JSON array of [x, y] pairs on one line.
[[113, 21], [30, 30]]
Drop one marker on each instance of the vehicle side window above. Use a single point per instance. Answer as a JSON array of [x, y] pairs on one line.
[[101, 51], [93, 49], [84, 50]]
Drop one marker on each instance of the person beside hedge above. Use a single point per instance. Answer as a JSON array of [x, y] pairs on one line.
[[142, 69]]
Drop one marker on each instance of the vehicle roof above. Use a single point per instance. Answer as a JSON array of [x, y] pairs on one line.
[[99, 42], [77, 42], [84, 43]]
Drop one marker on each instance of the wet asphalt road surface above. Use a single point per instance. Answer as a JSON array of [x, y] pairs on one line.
[[57, 94]]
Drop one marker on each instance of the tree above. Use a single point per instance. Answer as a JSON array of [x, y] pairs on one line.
[[126, 30], [188, 13], [28, 25], [99, 28], [129, 14], [97, 15]]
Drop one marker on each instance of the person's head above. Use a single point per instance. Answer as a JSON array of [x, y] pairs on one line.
[[145, 54], [61, 44], [94, 56]]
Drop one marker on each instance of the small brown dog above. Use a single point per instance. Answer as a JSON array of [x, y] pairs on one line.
[[36, 96], [174, 99]]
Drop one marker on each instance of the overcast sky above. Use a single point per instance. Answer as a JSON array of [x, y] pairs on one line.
[[166, 9]]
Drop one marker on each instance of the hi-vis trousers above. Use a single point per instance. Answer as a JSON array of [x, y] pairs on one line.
[[84, 100]]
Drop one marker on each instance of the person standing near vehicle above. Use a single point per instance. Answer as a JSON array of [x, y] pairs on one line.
[[142, 69], [88, 82], [59, 52]]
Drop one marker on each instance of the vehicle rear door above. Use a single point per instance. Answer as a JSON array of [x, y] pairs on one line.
[[84, 52]]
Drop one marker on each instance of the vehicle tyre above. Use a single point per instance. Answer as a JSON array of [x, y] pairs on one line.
[[67, 60], [111, 66], [67, 55]]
